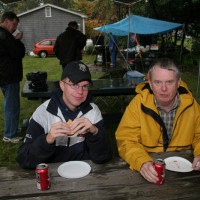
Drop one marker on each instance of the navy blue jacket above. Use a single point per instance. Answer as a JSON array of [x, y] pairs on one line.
[[35, 148]]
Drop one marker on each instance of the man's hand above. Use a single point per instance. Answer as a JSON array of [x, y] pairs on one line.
[[82, 125], [148, 172], [19, 36], [196, 163], [57, 129]]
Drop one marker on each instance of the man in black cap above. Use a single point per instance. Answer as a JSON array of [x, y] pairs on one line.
[[69, 126]]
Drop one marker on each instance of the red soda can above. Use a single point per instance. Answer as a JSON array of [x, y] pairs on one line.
[[159, 165], [42, 176]]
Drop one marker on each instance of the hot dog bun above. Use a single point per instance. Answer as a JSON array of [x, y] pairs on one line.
[[69, 122]]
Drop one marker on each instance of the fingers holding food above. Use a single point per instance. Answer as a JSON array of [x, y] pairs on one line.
[[71, 133], [69, 122], [57, 129]]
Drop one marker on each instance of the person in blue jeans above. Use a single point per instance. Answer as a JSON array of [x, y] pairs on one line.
[[113, 49], [12, 51]]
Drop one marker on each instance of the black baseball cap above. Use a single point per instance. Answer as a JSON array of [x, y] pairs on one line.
[[76, 71]]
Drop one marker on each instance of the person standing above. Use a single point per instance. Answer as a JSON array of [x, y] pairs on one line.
[[69, 44], [113, 49], [163, 116], [12, 51]]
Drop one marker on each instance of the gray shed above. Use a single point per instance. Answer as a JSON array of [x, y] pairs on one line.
[[46, 21]]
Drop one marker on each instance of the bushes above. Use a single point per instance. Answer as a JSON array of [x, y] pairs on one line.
[[196, 46], [90, 50]]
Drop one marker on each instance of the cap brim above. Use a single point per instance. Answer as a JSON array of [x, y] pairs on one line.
[[74, 80]]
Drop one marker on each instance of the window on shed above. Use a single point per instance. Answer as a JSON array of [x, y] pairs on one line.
[[48, 12]]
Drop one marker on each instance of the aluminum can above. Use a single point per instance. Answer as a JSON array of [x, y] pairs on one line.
[[159, 165], [42, 176]]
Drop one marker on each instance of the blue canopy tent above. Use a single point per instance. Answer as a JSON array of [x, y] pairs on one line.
[[139, 25]]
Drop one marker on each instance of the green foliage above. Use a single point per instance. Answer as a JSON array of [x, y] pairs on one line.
[[102, 12], [196, 46], [10, 1], [90, 50]]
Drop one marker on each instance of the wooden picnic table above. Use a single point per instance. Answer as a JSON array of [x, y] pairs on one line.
[[113, 180]]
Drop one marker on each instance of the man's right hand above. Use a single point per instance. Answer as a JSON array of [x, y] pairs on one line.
[[19, 36], [148, 172], [57, 129]]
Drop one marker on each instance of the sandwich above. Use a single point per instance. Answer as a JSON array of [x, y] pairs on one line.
[[72, 134]]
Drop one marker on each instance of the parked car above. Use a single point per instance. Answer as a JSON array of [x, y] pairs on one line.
[[44, 48]]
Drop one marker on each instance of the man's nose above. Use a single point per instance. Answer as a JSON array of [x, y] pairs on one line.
[[80, 89], [163, 86]]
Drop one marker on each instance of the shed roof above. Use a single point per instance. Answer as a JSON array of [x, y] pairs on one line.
[[53, 6]]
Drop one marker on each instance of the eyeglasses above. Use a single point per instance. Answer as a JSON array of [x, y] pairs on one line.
[[167, 83], [76, 86]]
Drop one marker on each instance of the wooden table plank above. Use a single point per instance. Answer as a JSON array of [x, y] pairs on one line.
[[113, 180]]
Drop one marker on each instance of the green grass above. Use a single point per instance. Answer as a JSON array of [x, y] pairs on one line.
[[51, 66]]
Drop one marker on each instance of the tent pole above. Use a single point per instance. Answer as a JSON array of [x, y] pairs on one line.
[[182, 43], [129, 11], [197, 95], [129, 4]]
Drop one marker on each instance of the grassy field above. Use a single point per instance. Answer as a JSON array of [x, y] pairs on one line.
[[51, 66]]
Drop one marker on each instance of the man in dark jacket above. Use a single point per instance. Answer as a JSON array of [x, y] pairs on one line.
[[69, 126], [12, 51], [69, 44]]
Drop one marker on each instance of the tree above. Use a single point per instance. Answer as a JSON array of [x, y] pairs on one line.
[[102, 12], [99, 12], [10, 1]]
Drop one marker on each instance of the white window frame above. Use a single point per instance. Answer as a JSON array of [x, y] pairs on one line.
[[48, 11]]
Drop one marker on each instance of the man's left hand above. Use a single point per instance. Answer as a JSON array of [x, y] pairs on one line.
[[82, 125], [196, 163]]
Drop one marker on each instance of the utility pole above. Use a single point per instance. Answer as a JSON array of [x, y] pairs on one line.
[[129, 4]]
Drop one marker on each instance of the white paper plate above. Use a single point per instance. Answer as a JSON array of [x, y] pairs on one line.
[[178, 164], [74, 169]]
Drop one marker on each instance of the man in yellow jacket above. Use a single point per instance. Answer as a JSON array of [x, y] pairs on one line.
[[163, 116]]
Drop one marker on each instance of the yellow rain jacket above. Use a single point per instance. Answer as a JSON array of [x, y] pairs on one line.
[[138, 133]]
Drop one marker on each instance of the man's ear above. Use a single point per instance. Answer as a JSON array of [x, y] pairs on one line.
[[150, 84], [179, 82], [61, 83]]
